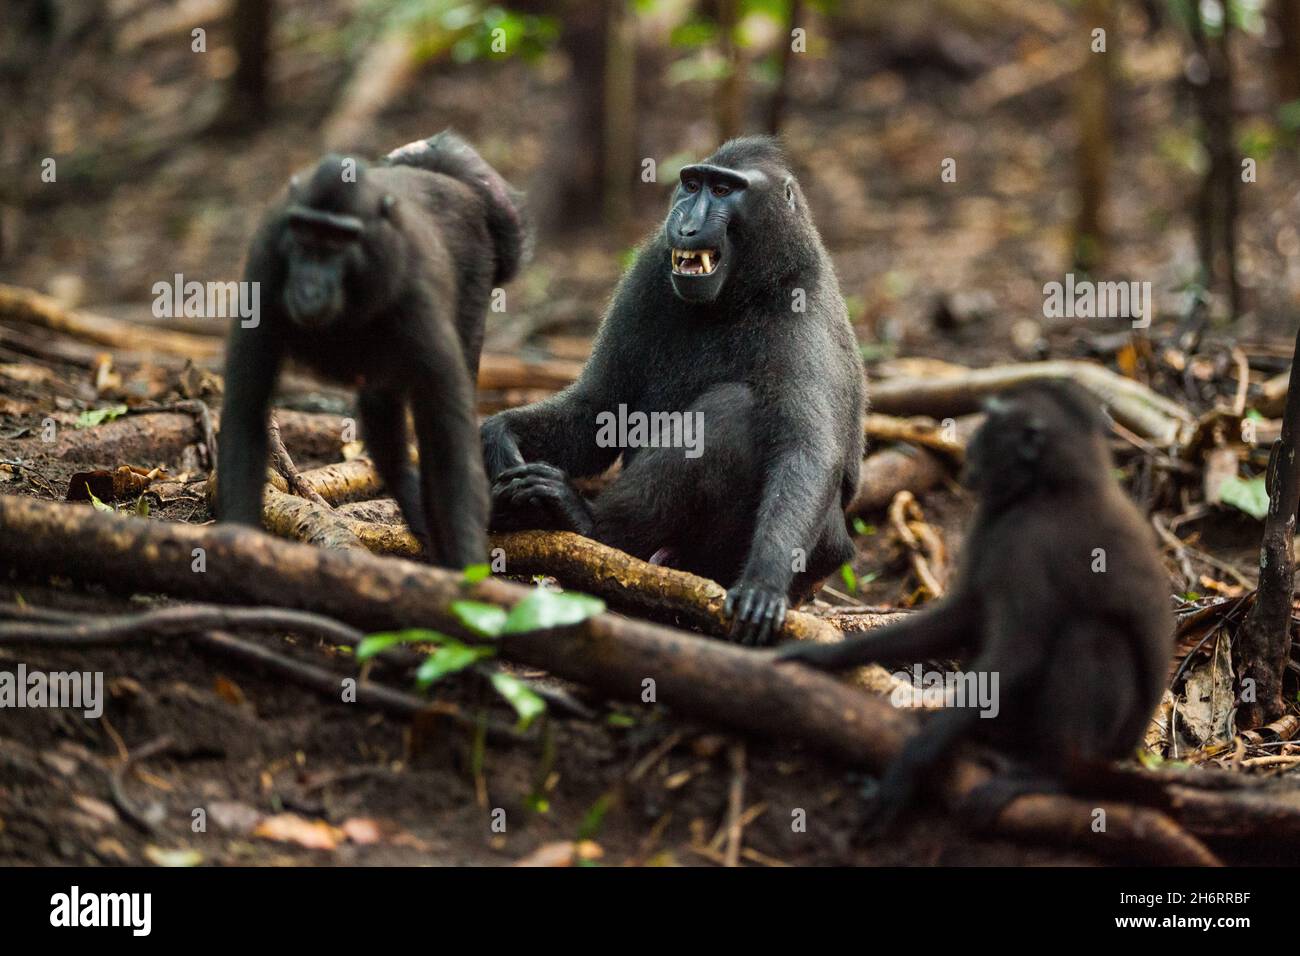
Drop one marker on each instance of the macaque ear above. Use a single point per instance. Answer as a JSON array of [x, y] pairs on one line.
[[387, 205], [789, 192]]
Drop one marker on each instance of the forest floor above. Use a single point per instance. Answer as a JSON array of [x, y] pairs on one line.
[[286, 777]]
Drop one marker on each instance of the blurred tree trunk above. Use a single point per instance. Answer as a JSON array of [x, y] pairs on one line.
[[593, 154], [776, 108], [1286, 58], [731, 91], [1092, 98], [620, 114], [248, 96], [1217, 202]]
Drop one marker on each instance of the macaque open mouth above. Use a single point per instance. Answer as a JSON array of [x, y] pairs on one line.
[[695, 262]]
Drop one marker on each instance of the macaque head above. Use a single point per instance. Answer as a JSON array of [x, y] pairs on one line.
[[1043, 435], [336, 225], [721, 211]]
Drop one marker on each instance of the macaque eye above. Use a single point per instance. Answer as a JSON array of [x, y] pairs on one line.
[[387, 204], [720, 190], [691, 186]]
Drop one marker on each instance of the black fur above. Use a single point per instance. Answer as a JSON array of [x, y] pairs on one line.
[[1081, 654], [381, 282], [781, 392]]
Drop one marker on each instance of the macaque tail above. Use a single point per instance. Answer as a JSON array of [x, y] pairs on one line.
[[507, 214]]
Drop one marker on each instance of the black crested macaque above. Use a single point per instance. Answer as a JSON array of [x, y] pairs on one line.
[[731, 317], [1061, 593], [379, 276]]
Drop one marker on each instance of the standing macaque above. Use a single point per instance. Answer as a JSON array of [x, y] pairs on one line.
[[1061, 594], [379, 276]]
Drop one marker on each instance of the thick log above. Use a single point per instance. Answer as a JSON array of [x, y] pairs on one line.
[[697, 676], [710, 679]]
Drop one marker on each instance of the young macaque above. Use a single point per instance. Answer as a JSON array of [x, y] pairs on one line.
[[1061, 594], [379, 276]]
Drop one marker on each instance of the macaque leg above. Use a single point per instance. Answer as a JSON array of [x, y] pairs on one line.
[[699, 509], [940, 629], [920, 755], [383, 423], [453, 483], [833, 550]]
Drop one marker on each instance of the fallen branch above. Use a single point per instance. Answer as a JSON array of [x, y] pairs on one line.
[[923, 432], [1131, 403], [282, 462], [886, 473], [704, 678], [297, 519], [25, 305], [920, 540]]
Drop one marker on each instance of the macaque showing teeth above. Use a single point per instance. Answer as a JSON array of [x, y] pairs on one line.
[[695, 262], [779, 392]]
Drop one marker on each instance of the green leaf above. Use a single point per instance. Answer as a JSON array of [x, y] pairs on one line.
[[476, 573], [850, 579], [450, 658], [372, 644], [594, 818], [862, 528], [620, 720], [99, 505], [544, 609], [1249, 496], [142, 506], [521, 697], [483, 619], [96, 416]]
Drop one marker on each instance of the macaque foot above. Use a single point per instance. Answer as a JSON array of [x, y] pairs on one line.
[[538, 496], [757, 613], [886, 800]]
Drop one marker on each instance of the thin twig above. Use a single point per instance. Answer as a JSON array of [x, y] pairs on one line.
[[117, 782]]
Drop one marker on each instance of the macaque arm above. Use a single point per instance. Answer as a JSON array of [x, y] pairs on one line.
[[252, 365], [800, 483], [946, 627], [561, 430]]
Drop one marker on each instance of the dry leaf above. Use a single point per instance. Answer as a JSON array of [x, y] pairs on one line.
[[291, 828]]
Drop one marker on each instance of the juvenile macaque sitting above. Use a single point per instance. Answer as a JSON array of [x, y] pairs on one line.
[[1061, 594]]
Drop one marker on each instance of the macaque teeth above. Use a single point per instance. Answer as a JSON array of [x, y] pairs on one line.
[[693, 262]]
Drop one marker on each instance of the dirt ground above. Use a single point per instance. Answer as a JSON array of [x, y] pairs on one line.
[[284, 777]]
